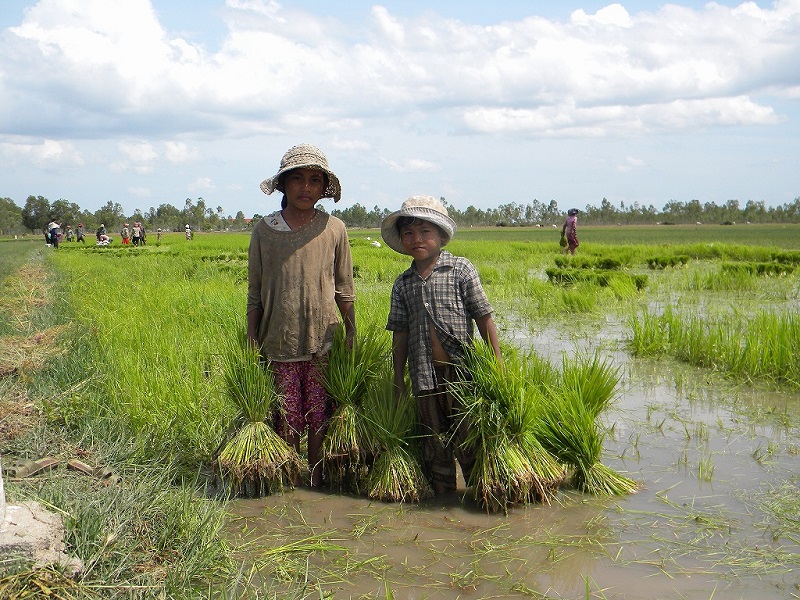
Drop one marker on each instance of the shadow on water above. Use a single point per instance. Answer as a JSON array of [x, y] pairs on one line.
[[713, 460]]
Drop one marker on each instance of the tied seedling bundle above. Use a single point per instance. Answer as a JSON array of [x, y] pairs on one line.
[[350, 374], [396, 473], [255, 460], [511, 466], [569, 427]]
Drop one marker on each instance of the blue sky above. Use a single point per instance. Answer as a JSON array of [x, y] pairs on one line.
[[150, 102]]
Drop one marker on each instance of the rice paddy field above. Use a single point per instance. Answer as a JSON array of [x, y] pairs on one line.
[[700, 325]]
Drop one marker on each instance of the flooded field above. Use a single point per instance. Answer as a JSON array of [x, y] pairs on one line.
[[718, 466]]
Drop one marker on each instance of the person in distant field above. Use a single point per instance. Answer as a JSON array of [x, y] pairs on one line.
[[142, 235], [126, 235], [70, 234], [188, 232], [53, 230], [570, 231], [158, 234], [79, 234], [137, 233], [434, 304], [300, 290], [102, 235]]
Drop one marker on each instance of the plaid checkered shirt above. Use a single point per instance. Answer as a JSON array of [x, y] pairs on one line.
[[451, 297]]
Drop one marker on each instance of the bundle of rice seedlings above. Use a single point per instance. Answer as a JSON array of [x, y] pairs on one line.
[[569, 428], [255, 460], [350, 373], [548, 472], [510, 466], [396, 473]]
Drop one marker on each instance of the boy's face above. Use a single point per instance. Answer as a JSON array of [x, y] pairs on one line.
[[421, 239], [304, 188]]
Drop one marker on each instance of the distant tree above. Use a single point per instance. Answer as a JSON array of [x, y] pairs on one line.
[[36, 213], [65, 212], [10, 217], [111, 215]]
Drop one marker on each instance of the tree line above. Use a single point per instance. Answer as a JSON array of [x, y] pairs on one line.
[[38, 211]]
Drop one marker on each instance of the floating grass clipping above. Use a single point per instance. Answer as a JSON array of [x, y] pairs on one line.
[[568, 425], [396, 473], [510, 465], [350, 373], [255, 460]]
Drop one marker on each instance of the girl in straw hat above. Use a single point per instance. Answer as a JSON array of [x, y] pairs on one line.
[[570, 231], [300, 284], [433, 306]]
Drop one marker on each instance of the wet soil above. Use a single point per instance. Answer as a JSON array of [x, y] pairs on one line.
[[713, 460]]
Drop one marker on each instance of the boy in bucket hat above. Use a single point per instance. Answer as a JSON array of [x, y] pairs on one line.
[[433, 306], [300, 289]]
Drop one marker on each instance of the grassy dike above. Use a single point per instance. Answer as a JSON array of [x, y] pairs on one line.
[[152, 535]]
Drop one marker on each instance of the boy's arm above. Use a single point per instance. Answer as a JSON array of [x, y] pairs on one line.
[[399, 359], [348, 312], [488, 332]]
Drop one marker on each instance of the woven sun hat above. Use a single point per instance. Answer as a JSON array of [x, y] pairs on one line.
[[304, 156], [426, 208], [572, 211]]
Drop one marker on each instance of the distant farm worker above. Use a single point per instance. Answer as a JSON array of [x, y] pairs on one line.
[[125, 234], [103, 238], [188, 232], [137, 233], [570, 231], [53, 230], [79, 233], [158, 233], [300, 290], [70, 234], [434, 304]]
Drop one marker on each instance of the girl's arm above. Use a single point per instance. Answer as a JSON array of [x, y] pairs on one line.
[[399, 359], [348, 312], [253, 321], [488, 332]]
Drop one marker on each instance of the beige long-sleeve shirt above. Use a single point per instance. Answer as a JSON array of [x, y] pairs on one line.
[[295, 278]]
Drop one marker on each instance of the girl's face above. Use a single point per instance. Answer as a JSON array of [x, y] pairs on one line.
[[304, 188], [421, 239]]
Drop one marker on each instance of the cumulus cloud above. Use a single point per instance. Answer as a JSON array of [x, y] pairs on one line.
[[50, 155], [179, 152], [202, 185], [411, 165], [138, 157], [91, 65], [630, 163]]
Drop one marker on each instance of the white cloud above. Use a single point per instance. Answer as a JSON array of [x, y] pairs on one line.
[[137, 157], [202, 185], [614, 14], [139, 192], [179, 152], [47, 154], [411, 165], [116, 62], [630, 163]]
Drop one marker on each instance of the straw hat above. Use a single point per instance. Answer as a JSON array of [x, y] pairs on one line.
[[426, 208], [304, 156]]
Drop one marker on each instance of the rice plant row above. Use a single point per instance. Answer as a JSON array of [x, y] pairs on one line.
[[763, 346]]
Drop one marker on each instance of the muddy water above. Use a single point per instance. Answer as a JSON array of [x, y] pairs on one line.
[[707, 456]]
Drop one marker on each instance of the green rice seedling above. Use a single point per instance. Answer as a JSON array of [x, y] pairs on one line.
[[396, 472], [510, 465], [255, 460], [348, 378], [569, 428]]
